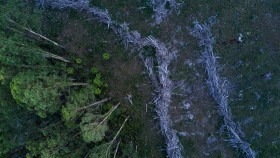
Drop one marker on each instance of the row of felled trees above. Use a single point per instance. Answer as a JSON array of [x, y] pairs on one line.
[[159, 74], [45, 109]]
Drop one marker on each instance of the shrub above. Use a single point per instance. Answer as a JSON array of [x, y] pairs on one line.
[[106, 56]]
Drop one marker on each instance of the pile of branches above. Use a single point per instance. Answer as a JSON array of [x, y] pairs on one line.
[[164, 88], [219, 89], [159, 75], [161, 10]]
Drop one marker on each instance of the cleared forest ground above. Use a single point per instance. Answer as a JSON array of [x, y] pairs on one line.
[[200, 122]]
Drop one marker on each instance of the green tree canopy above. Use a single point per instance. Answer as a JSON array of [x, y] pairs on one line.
[[56, 142], [14, 51], [93, 128], [75, 101], [39, 91]]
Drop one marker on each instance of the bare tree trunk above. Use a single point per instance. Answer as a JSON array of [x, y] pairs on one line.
[[116, 150], [134, 40], [77, 84], [218, 88], [34, 33], [50, 55], [161, 10], [46, 54], [116, 135], [93, 104]]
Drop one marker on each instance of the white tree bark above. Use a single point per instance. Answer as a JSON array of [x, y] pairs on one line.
[[159, 7], [218, 88], [158, 75]]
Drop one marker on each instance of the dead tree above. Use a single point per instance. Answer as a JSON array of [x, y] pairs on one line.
[[159, 75], [164, 88], [218, 88], [33, 33], [162, 8]]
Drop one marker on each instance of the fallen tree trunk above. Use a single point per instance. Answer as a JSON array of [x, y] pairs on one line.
[[35, 33], [218, 88], [134, 40]]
